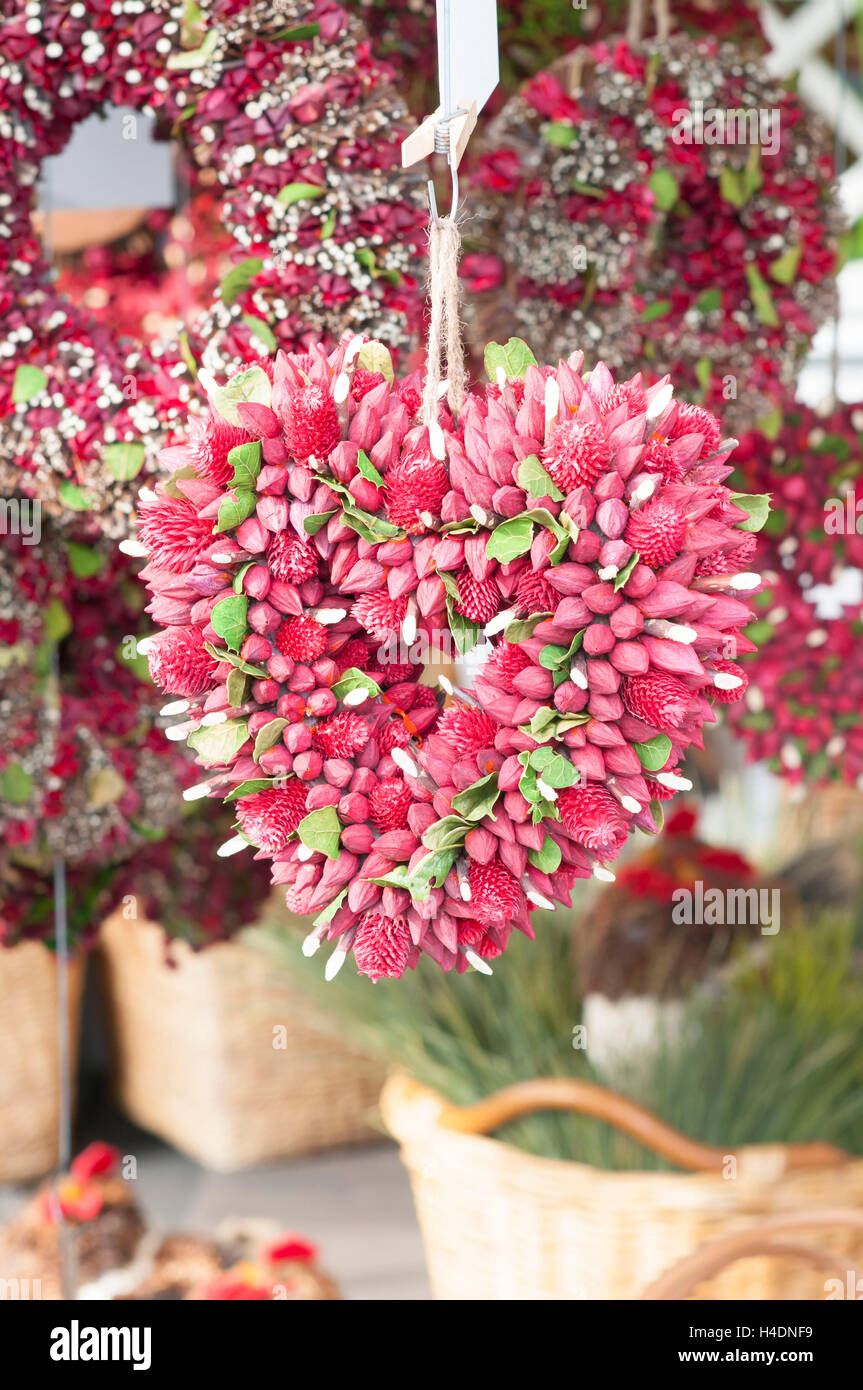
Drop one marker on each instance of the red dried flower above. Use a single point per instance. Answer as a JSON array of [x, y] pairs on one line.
[[302, 639], [416, 483], [466, 730], [593, 817], [380, 615], [179, 663], [389, 803], [341, 736], [173, 532], [382, 947], [495, 895], [478, 599], [311, 423], [576, 454], [506, 662], [534, 594], [657, 698], [269, 818], [291, 559], [657, 532], [210, 441]]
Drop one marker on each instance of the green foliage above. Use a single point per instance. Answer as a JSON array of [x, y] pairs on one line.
[[776, 1056]]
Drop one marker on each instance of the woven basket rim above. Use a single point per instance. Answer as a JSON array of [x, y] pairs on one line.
[[411, 1109]]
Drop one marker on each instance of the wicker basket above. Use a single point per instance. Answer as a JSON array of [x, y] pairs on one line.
[[29, 1076], [499, 1223], [218, 1053]]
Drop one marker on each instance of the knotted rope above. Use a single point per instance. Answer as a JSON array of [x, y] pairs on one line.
[[444, 333]]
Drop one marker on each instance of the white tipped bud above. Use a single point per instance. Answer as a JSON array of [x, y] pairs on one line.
[[427, 520], [539, 899], [329, 616], [178, 734], [603, 874], [645, 489], [146, 494], [578, 677], [233, 846], [354, 348], [446, 685], [661, 401], [218, 716], [409, 628], [133, 548], [754, 698], [630, 804], [479, 514], [145, 644], [197, 792], [476, 961], [835, 746], [175, 707], [726, 680], [305, 853], [437, 442], [817, 637], [499, 621], [789, 755], [222, 559], [341, 388], [500, 377], [405, 762], [552, 404], [674, 632], [608, 572], [545, 790], [674, 782], [336, 960], [355, 697], [744, 583], [208, 381], [312, 943]]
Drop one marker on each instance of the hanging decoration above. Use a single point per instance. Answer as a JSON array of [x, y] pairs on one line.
[[300, 125], [701, 248], [339, 529], [803, 710]]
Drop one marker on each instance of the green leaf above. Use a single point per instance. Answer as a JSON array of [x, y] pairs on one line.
[[268, 737], [299, 193], [328, 913], [187, 355], [262, 331], [248, 788], [557, 133], [664, 188], [653, 755], [368, 470], [328, 226], [524, 627], [477, 801], [548, 858], [16, 784], [56, 623], [355, 679], [313, 524], [511, 539], [703, 372], [376, 357], [398, 877], [784, 269], [186, 61], [228, 619], [320, 831], [28, 382], [564, 530], [771, 423], [245, 459], [587, 190], [431, 871], [709, 300], [252, 385], [84, 561], [536, 481], [302, 31], [235, 509], [465, 634], [659, 309], [219, 743], [239, 277], [370, 528], [237, 585], [76, 498], [557, 771], [756, 504], [220, 654], [447, 833], [513, 356], [548, 724], [553, 656], [621, 577], [236, 685], [762, 299], [123, 461]]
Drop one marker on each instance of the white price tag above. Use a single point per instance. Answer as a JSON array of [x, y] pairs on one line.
[[467, 45], [468, 73]]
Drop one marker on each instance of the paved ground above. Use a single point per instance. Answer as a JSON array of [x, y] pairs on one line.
[[354, 1203]]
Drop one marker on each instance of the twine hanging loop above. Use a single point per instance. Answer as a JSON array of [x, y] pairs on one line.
[[444, 333]]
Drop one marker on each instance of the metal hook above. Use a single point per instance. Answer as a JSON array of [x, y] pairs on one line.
[[443, 145]]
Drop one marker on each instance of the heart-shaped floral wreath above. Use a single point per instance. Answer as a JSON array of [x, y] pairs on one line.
[[317, 544]]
